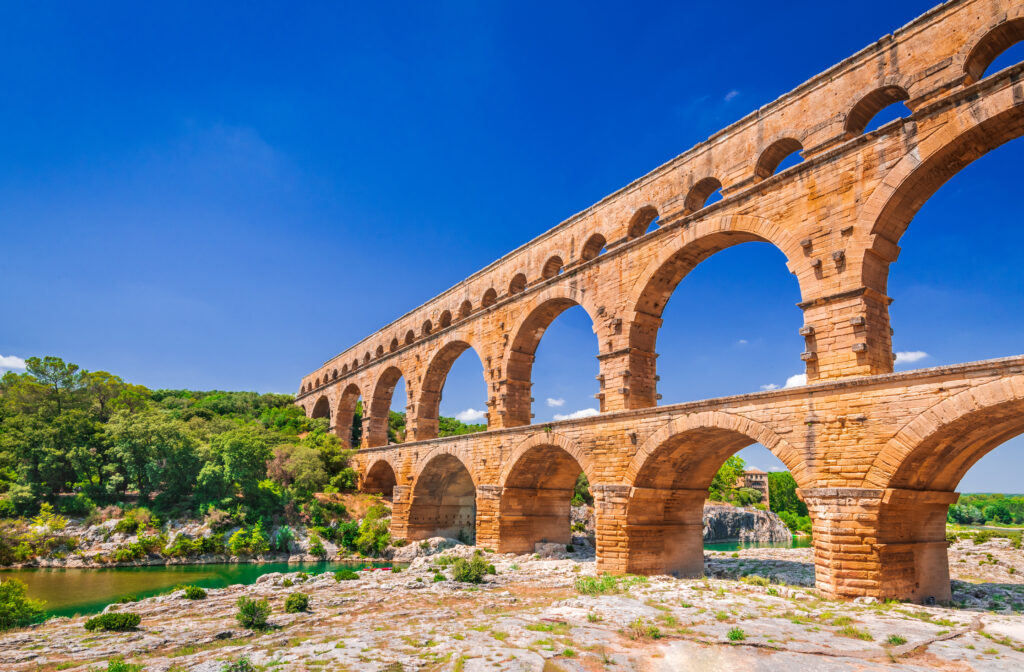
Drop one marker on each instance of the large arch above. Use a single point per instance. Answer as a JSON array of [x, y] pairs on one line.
[[375, 422], [380, 479], [536, 494], [670, 475], [526, 336], [443, 500], [345, 413], [429, 405], [678, 256], [322, 409]]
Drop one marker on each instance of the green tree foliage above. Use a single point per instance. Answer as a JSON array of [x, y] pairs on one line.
[[581, 491], [723, 485], [782, 494], [17, 610], [453, 427], [991, 508]]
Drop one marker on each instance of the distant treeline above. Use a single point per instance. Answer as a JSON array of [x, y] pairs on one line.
[[982, 508]]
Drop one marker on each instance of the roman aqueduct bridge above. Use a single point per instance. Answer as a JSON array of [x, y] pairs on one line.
[[877, 454]]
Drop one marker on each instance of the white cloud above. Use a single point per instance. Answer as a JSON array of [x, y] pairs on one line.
[[471, 415], [11, 362], [742, 341], [770, 386], [797, 380], [576, 415], [555, 403], [910, 357], [732, 94]]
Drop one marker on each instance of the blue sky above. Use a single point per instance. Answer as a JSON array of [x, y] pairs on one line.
[[197, 196]]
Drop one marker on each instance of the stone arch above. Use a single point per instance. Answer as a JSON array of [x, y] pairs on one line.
[[427, 327], [537, 485], [344, 416], [525, 337], [344, 369], [935, 449], [428, 407], [676, 258], [410, 337], [445, 320], [699, 194], [380, 478], [366, 358], [861, 114], [317, 382], [669, 478], [443, 501], [490, 298], [593, 247], [517, 284], [465, 310], [379, 352], [321, 409], [355, 364], [920, 174], [773, 155], [640, 220], [375, 422], [552, 267], [988, 44], [393, 346]]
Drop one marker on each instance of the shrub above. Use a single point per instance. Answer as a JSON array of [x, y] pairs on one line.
[[896, 640], [737, 635], [471, 571], [240, 665], [374, 532], [596, 585], [195, 593], [284, 538], [252, 614], [136, 521], [345, 575], [316, 546], [115, 621], [438, 577], [287, 583], [296, 602], [182, 547], [756, 580], [639, 629], [118, 665], [17, 610], [239, 542]]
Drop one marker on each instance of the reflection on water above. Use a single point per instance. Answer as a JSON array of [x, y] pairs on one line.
[[79, 591], [797, 542]]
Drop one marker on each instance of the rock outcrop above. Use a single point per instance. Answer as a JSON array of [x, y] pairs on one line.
[[723, 522]]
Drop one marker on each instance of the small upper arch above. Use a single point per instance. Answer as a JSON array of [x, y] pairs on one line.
[[344, 369], [428, 326], [517, 284], [552, 267], [699, 194], [641, 220], [393, 345], [334, 374], [989, 45], [490, 298], [380, 351], [366, 358], [445, 320], [773, 156], [861, 114], [355, 364], [593, 247], [410, 336], [465, 309]]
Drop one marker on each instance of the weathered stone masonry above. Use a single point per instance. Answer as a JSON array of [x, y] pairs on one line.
[[877, 455]]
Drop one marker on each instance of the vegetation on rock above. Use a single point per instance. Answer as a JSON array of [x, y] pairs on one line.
[[17, 610], [115, 621]]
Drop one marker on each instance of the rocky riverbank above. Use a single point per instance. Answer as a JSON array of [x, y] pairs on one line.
[[554, 614], [723, 522]]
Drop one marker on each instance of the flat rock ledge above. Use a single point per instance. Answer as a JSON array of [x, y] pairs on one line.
[[761, 612]]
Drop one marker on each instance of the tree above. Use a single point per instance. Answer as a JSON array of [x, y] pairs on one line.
[[782, 494], [156, 453], [243, 454], [998, 513], [62, 380], [723, 485]]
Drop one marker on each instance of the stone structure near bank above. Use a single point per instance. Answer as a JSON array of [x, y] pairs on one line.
[[877, 454]]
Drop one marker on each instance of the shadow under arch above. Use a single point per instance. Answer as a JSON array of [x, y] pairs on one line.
[[526, 336], [429, 405], [380, 479], [919, 469], [321, 409], [375, 422], [670, 475], [443, 502], [679, 255]]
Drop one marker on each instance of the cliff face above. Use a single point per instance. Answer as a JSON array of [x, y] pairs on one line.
[[727, 523]]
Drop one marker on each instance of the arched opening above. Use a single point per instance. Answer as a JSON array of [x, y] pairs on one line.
[[465, 310], [876, 109], [380, 479], [996, 43], [321, 409], [378, 425], [778, 156], [410, 336], [570, 358], [393, 346], [517, 284], [664, 517], [380, 351], [348, 424], [702, 195], [428, 326], [689, 348], [645, 219], [536, 500], [464, 402], [318, 382], [552, 267], [490, 298], [355, 364], [446, 319], [366, 358], [593, 248], [443, 501], [913, 551]]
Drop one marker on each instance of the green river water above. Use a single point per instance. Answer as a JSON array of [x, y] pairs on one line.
[[81, 591]]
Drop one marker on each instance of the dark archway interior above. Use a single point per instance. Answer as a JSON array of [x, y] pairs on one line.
[[536, 499], [443, 502]]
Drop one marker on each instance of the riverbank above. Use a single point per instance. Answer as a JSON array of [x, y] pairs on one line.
[[555, 614]]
